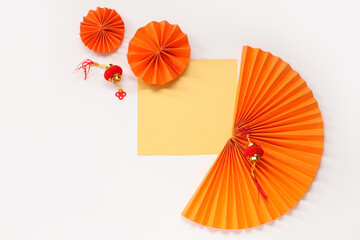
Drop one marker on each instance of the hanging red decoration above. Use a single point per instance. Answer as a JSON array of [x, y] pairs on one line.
[[112, 73], [254, 153]]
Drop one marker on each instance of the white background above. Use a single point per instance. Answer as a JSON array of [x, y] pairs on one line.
[[68, 162]]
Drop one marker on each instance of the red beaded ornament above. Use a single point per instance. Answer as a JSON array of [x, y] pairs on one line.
[[254, 153], [111, 71], [253, 150], [112, 74]]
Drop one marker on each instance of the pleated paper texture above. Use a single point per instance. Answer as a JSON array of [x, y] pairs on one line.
[[159, 52], [102, 30], [283, 117]]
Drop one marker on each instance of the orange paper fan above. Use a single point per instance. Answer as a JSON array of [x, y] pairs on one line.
[[276, 108], [159, 52], [102, 30]]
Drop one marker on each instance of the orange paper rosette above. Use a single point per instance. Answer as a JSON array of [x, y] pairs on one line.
[[102, 30], [159, 52], [277, 110]]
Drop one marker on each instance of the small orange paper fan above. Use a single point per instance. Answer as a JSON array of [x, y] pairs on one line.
[[278, 111], [102, 30], [159, 52]]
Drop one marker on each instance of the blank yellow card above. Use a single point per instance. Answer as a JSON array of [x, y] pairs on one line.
[[190, 115]]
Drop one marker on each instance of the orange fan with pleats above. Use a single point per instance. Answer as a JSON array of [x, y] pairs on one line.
[[271, 160], [102, 30], [159, 52]]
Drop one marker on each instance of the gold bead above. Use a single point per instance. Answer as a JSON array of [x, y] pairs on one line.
[[255, 158], [116, 78]]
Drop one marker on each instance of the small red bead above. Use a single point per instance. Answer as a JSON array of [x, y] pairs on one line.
[[111, 71], [252, 150]]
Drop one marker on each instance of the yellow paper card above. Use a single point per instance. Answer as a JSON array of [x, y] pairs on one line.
[[190, 115]]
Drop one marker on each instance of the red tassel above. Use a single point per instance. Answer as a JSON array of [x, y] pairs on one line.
[[85, 65], [259, 188]]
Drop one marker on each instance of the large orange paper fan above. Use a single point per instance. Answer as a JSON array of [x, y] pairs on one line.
[[159, 52], [102, 30], [276, 108]]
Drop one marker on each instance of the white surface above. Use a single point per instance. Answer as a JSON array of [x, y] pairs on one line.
[[68, 163]]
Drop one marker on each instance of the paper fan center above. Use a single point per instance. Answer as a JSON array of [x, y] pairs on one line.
[[160, 50]]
